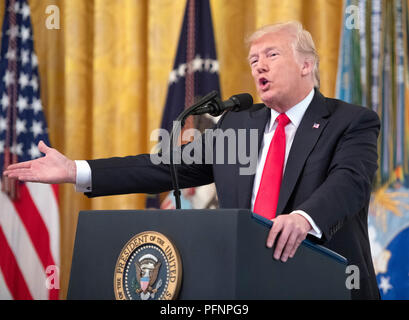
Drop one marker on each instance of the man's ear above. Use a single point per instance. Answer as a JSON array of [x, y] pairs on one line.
[[307, 66]]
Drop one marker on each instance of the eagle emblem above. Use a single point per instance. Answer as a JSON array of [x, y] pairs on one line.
[[147, 269]]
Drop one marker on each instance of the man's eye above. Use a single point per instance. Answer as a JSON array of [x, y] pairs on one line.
[[253, 62]]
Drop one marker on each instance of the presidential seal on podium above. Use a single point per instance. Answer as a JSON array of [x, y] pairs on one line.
[[148, 268]]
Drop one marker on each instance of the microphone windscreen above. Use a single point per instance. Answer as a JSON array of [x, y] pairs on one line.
[[242, 101]]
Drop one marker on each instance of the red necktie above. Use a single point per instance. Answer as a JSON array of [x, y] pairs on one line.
[[267, 195]]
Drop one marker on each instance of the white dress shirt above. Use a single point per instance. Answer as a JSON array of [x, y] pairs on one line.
[[295, 114], [83, 180]]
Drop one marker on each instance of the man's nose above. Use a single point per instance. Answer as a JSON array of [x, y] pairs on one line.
[[262, 65]]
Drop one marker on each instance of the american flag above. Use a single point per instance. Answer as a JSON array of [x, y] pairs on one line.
[[29, 218]]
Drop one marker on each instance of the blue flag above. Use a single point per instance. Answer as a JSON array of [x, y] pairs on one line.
[[196, 69], [195, 72], [371, 72]]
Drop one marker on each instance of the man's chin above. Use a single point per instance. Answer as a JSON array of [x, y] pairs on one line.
[[266, 97]]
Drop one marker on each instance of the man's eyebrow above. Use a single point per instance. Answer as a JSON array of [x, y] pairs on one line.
[[264, 51], [270, 48], [252, 55]]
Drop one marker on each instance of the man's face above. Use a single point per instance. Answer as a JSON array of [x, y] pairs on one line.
[[276, 70]]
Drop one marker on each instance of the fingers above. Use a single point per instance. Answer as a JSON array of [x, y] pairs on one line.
[[287, 235], [26, 164], [20, 165], [25, 177], [281, 244], [43, 147], [298, 241], [21, 171], [22, 174], [291, 246], [274, 231]]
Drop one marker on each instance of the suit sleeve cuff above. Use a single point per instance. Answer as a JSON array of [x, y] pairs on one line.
[[316, 232], [83, 181]]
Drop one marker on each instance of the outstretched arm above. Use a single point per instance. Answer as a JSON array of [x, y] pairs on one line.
[[53, 168]]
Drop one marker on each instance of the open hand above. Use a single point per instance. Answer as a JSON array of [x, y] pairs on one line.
[[53, 168]]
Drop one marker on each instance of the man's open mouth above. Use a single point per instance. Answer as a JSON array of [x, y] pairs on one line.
[[263, 82]]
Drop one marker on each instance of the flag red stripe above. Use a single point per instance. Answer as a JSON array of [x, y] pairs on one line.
[[54, 294], [11, 271], [56, 192], [35, 226]]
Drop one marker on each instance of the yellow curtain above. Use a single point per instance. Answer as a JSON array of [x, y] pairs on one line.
[[104, 75]]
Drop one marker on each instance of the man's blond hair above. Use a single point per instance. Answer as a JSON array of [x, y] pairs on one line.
[[303, 43]]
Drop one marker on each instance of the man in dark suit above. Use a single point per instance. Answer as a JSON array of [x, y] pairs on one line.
[[316, 161]]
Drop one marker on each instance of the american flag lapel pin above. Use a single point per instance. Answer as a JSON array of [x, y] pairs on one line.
[[316, 125]]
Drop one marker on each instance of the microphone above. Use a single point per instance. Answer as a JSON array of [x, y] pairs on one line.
[[212, 104], [216, 107]]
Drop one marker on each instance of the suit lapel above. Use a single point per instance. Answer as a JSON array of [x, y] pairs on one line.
[[308, 132], [257, 120]]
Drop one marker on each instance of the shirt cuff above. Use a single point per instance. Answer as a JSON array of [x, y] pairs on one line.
[[83, 182], [316, 232]]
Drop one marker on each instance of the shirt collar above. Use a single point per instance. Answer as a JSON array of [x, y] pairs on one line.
[[295, 113]]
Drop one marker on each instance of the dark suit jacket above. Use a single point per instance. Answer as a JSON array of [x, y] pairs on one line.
[[329, 173]]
